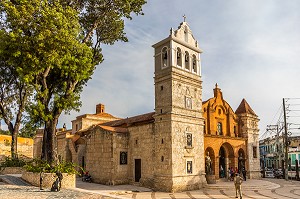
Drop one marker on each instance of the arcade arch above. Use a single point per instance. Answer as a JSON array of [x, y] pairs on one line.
[[221, 159]]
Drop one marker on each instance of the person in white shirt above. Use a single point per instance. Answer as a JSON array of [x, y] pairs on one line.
[[238, 185]]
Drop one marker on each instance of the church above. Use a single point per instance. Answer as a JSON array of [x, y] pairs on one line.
[[165, 150]]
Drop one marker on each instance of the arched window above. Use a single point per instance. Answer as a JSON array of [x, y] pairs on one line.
[[194, 64], [219, 128], [179, 57], [187, 60], [164, 57]]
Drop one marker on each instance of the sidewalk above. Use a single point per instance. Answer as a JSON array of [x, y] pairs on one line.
[[212, 190], [252, 189]]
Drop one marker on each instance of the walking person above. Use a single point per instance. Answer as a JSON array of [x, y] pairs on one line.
[[231, 174], [238, 185]]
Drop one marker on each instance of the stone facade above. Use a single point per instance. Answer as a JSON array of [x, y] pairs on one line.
[[25, 146], [142, 137], [37, 143], [102, 155], [178, 116]]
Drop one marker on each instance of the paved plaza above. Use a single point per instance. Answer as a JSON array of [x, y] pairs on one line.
[[11, 187]]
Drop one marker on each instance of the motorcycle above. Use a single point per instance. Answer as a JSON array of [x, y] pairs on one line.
[[87, 177]]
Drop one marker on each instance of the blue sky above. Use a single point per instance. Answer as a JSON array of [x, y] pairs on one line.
[[251, 49]]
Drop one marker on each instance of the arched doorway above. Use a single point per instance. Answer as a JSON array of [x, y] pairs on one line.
[[226, 159], [241, 159], [222, 163]]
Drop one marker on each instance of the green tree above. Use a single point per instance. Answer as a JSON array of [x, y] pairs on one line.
[[14, 93], [3, 132], [59, 43]]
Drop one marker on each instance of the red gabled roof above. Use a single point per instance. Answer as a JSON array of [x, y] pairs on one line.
[[114, 129], [244, 107], [105, 115], [145, 118]]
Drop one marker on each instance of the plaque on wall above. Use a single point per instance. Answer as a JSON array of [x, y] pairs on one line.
[[123, 157], [189, 167], [188, 102]]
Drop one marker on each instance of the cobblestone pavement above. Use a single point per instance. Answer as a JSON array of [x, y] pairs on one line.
[[12, 187], [30, 192], [252, 189]]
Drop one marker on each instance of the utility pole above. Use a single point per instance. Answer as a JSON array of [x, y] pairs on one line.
[[286, 164]]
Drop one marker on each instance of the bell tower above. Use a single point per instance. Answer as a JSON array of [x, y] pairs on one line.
[[179, 140], [248, 126]]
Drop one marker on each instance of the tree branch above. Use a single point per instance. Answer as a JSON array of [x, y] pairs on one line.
[[89, 34]]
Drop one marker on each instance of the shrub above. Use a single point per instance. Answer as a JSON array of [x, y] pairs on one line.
[[37, 166], [12, 162]]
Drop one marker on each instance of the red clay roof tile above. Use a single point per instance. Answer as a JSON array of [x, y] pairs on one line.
[[244, 107]]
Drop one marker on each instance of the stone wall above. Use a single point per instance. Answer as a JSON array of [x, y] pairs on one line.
[[102, 156], [68, 181], [25, 146], [120, 171], [11, 170], [38, 143], [141, 146], [63, 150]]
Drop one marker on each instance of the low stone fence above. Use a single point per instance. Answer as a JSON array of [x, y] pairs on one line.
[[68, 181], [11, 170]]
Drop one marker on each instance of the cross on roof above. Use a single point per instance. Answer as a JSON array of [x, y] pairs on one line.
[[184, 17]]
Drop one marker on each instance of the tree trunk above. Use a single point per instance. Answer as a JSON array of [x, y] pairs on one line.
[[49, 148], [14, 138], [14, 144]]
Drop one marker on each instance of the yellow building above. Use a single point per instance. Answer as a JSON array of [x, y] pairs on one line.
[[25, 147], [230, 138]]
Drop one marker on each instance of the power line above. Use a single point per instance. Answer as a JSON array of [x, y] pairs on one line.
[[292, 116]]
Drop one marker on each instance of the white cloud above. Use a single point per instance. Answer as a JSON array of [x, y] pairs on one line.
[[251, 49]]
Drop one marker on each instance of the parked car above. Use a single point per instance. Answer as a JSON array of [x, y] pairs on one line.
[[269, 174]]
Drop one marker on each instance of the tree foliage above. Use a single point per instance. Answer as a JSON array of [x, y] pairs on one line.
[[55, 47], [4, 132], [14, 92]]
